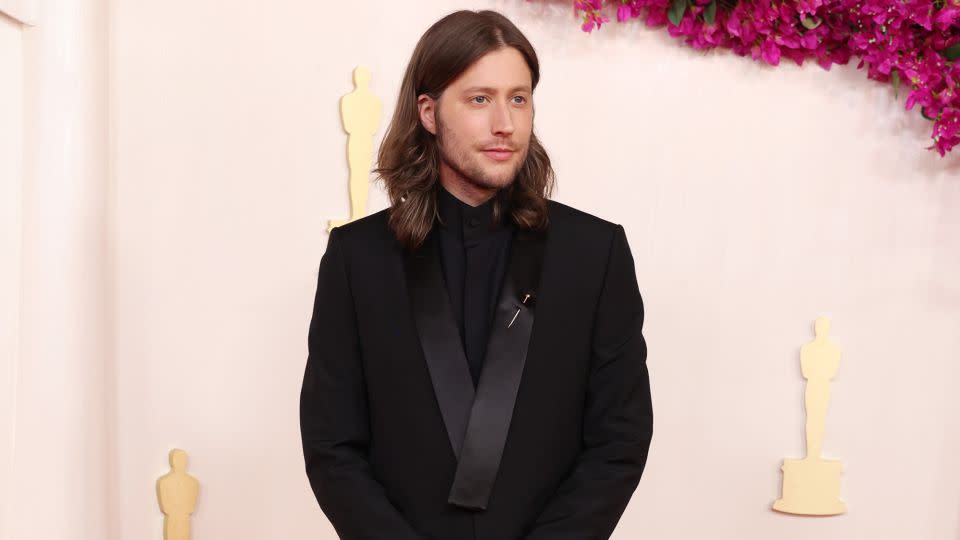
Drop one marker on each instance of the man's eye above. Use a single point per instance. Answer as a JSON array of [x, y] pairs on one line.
[[522, 99], [479, 97]]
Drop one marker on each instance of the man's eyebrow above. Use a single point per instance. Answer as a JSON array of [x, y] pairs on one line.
[[488, 90]]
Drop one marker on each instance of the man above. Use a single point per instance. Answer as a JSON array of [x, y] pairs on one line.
[[476, 368]]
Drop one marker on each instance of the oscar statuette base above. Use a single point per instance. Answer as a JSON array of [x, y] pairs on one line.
[[811, 487]]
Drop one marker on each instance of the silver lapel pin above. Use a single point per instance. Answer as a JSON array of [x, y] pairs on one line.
[[524, 301]]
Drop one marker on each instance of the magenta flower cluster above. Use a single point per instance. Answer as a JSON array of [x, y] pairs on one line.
[[908, 43]]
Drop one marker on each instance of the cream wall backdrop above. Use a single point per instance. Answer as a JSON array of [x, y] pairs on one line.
[[755, 200], [56, 386], [11, 171]]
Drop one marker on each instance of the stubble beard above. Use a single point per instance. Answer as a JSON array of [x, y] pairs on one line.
[[466, 163]]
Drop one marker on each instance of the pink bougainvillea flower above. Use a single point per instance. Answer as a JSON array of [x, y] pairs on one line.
[[946, 17], [770, 52]]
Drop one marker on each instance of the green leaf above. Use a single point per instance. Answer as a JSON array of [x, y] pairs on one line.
[[677, 9], [895, 79], [810, 22], [710, 13], [952, 52]]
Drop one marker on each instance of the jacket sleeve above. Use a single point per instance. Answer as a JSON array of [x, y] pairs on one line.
[[334, 422], [618, 414]]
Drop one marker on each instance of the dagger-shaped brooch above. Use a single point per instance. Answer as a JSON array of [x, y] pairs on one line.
[[524, 301]]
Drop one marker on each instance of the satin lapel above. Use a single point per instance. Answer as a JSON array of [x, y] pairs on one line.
[[440, 339], [496, 393]]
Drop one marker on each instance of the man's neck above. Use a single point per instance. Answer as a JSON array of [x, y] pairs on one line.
[[466, 191]]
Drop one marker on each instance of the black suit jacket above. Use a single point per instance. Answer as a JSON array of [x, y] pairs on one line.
[[552, 443]]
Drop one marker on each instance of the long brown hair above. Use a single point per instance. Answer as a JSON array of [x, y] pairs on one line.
[[409, 158]]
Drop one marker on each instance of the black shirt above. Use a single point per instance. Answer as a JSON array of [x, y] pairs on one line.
[[474, 250]]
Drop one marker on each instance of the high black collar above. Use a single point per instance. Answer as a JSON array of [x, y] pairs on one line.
[[470, 223]]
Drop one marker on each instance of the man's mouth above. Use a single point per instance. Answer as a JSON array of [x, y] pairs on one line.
[[499, 153]]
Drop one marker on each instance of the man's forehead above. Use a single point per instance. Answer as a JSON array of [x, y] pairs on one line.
[[502, 70]]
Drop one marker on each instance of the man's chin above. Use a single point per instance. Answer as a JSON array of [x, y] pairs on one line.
[[495, 183], [498, 180]]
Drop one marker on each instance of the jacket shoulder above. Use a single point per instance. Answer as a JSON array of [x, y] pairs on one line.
[[366, 240], [582, 224], [371, 227]]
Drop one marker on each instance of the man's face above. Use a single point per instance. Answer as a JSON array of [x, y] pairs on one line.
[[483, 121]]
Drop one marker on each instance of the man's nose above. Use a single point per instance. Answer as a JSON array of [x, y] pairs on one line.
[[502, 120]]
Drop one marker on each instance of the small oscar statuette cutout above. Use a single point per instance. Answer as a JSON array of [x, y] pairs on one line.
[[811, 486], [177, 493], [360, 112]]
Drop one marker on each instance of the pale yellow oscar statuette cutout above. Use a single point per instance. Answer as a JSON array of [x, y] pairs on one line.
[[177, 492], [811, 486], [360, 112]]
